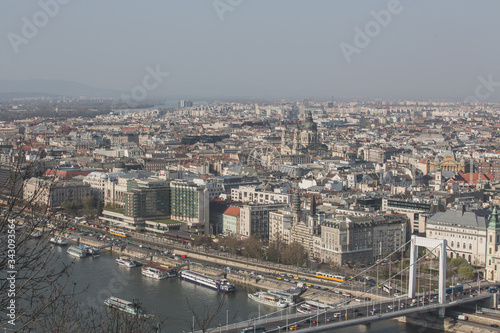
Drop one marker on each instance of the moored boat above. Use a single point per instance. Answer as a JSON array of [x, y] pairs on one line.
[[312, 307], [58, 240], [126, 262], [268, 299], [77, 251], [212, 282], [157, 273], [36, 234], [90, 250]]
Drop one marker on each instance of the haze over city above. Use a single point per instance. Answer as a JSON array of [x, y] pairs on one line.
[[259, 49], [249, 166]]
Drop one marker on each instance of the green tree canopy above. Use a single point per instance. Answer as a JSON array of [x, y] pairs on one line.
[[466, 272]]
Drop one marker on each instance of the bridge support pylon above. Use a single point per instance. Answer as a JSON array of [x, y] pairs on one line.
[[430, 244]]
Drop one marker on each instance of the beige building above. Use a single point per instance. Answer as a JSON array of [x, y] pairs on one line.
[[254, 219], [416, 211], [465, 232], [53, 193], [280, 224], [257, 194], [349, 239]]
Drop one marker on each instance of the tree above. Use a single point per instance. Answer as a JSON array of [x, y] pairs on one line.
[[456, 262], [38, 296], [253, 247], [466, 272], [35, 284], [294, 254], [71, 207], [203, 319], [88, 206], [232, 244], [274, 251], [203, 241], [99, 208]]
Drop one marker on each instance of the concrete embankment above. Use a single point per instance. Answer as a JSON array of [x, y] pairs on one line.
[[233, 276], [451, 324]]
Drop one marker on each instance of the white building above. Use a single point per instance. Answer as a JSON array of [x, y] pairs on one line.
[[98, 180], [258, 195], [254, 219], [465, 232]]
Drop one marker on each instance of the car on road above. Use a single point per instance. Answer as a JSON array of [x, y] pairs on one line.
[[337, 315], [494, 325], [294, 327], [374, 311]]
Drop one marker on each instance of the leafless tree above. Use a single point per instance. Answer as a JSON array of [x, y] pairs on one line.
[[37, 295], [203, 319], [33, 280]]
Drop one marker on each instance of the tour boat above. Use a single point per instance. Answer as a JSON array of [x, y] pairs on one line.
[[311, 307], [77, 251], [268, 299], [126, 262], [211, 282], [157, 273], [58, 240], [125, 306]]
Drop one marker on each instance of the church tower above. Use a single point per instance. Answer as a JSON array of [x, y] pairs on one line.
[[438, 181], [493, 242], [295, 149], [297, 211], [283, 139]]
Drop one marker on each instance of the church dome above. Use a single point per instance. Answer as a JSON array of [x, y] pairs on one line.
[[310, 125]]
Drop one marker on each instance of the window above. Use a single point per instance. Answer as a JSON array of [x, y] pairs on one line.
[[470, 246], [465, 246], [451, 243], [458, 245]]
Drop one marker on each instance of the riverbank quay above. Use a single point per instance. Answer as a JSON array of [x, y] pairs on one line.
[[241, 270]]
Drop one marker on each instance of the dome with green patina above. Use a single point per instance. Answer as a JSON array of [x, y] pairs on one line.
[[310, 125], [494, 222]]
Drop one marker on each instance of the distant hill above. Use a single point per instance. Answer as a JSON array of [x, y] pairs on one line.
[[32, 88]]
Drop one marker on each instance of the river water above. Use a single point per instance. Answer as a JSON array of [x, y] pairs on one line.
[[171, 299]]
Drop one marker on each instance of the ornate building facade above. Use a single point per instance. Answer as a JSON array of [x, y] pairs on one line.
[[305, 141]]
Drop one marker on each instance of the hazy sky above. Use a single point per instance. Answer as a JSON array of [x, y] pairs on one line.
[[260, 48]]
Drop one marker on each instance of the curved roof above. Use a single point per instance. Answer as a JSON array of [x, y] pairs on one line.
[[310, 125]]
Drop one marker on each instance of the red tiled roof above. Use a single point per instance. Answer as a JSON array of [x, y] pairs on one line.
[[232, 211]]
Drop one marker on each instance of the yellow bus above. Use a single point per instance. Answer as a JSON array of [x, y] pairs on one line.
[[329, 276]]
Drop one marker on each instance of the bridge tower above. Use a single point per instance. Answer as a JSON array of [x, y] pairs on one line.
[[430, 244]]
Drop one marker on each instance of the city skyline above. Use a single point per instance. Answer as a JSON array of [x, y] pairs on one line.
[[242, 49]]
